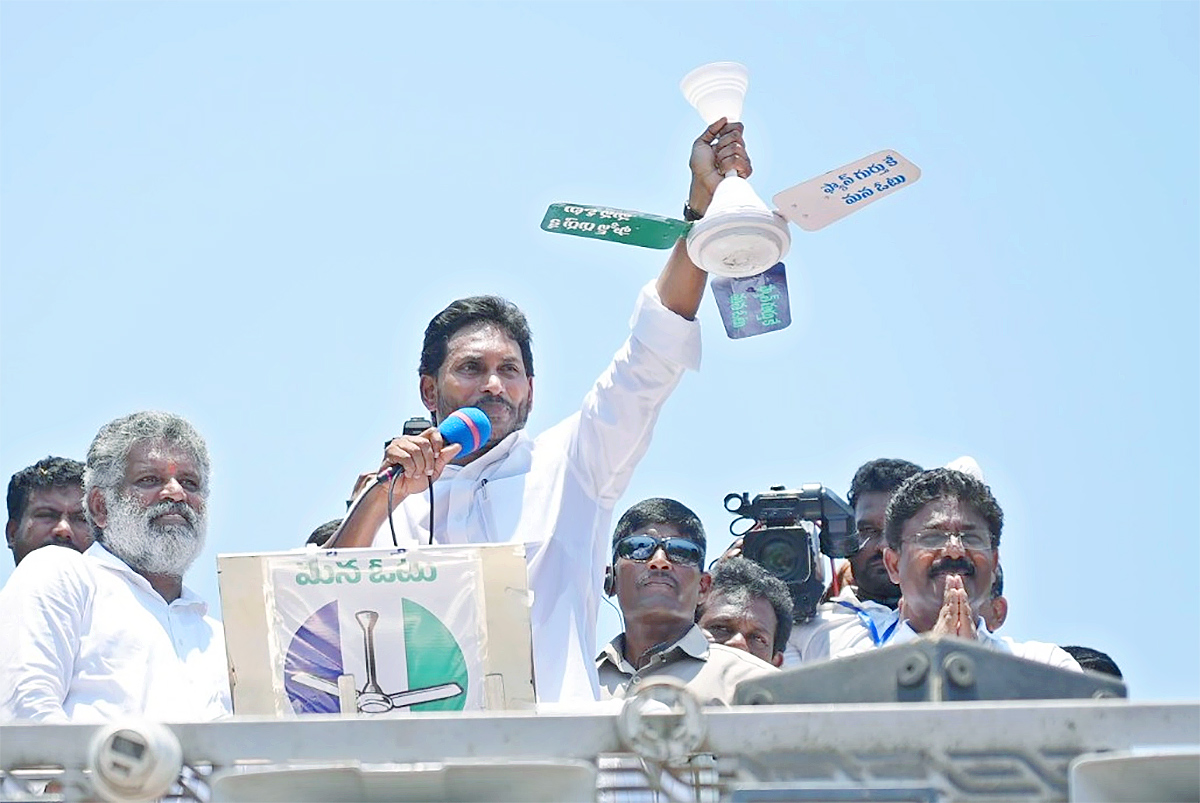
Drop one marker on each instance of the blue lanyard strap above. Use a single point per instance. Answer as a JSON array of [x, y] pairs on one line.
[[869, 623]]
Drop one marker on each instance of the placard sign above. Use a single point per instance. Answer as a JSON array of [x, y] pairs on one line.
[[753, 305], [832, 196], [614, 225], [376, 631]]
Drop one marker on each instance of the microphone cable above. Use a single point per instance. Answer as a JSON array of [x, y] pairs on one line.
[[430, 511], [413, 426], [620, 615], [392, 508], [433, 420], [468, 427]]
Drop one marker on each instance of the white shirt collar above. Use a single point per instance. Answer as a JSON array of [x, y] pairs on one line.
[[187, 598]]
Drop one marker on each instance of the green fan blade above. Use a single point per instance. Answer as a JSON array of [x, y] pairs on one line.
[[614, 225]]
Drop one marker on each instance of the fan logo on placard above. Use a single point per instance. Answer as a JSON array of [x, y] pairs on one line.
[[436, 669]]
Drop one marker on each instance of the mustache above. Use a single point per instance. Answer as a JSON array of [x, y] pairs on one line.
[[951, 566], [486, 401], [656, 576], [166, 508]]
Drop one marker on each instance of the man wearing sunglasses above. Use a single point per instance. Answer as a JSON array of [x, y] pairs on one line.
[[943, 538], [658, 578]]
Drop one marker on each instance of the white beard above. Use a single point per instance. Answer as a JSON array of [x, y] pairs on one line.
[[149, 547]]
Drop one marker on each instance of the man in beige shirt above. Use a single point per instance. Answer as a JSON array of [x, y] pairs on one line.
[[658, 578]]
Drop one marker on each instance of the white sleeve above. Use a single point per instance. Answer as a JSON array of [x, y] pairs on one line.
[[1040, 651], [1057, 656], [42, 610], [619, 413]]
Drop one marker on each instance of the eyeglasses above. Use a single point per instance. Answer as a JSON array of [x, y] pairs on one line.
[[936, 539], [642, 547]]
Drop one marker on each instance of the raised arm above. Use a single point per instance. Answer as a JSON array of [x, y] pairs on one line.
[[714, 153]]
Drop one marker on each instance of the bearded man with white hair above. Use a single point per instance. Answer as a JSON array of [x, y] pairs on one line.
[[113, 632]]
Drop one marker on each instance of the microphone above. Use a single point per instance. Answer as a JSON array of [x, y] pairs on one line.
[[469, 427]]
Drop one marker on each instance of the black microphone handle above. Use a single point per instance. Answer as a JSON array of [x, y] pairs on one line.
[[388, 473]]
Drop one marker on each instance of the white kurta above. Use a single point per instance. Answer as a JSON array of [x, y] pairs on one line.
[[842, 626], [556, 492], [1031, 650], [87, 639]]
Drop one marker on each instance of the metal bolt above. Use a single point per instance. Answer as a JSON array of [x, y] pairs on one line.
[[960, 669], [760, 697], [913, 671]]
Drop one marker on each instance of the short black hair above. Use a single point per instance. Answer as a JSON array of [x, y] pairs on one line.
[[471, 311], [320, 535], [1094, 660], [49, 472], [660, 510], [739, 579], [940, 483], [883, 475]]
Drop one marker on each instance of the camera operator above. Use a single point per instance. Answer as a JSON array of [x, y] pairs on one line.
[[863, 612]]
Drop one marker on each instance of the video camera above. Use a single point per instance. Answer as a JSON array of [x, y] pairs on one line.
[[783, 546]]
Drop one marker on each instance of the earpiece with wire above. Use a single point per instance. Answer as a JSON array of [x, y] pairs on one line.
[[610, 591]]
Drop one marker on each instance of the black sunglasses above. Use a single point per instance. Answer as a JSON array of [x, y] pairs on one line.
[[642, 547]]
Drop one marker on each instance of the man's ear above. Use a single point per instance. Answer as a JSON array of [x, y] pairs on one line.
[[10, 530], [429, 393], [705, 585], [98, 507], [891, 562], [999, 613], [777, 660]]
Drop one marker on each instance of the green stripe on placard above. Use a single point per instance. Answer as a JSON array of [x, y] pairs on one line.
[[614, 225], [432, 656]]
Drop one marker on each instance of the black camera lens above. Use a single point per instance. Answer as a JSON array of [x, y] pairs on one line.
[[780, 558]]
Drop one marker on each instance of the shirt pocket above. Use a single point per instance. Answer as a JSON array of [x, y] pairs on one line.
[[503, 504]]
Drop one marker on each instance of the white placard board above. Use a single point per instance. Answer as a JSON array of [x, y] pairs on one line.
[[377, 632]]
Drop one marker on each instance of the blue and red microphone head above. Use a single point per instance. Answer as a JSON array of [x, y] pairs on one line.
[[469, 427]]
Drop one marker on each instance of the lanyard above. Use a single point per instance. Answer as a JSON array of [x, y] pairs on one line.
[[869, 623]]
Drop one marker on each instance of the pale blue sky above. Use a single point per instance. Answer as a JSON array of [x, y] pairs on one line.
[[246, 213]]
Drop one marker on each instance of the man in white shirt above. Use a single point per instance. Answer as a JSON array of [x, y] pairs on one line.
[[555, 493], [943, 540], [113, 632]]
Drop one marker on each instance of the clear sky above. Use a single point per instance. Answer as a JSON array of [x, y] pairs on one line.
[[246, 213]]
